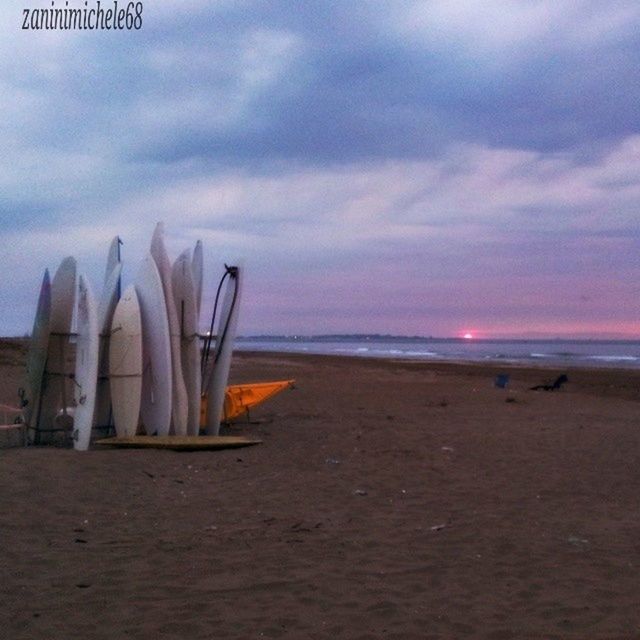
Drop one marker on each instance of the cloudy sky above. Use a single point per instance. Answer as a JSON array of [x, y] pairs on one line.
[[403, 167]]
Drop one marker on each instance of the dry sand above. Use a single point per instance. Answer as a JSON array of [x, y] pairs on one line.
[[389, 500]]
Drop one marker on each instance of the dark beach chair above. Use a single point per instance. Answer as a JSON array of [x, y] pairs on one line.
[[501, 381]]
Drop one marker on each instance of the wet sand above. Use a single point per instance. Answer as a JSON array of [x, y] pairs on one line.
[[388, 500]]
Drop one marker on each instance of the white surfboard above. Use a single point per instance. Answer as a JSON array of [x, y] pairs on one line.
[[185, 301], [86, 376], [57, 388], [197, 267], [155, 408], [37, 356], [225, 335], [106, 308], [180, 407], [125, 364]]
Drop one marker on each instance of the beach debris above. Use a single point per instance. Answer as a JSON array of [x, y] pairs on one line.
[[438, 527], [577, 542], [83, 585], [556, 385], [360, 492], [332, 461], [448, 449]]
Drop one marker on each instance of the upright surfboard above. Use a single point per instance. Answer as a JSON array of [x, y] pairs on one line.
[[197, 268], [86, 375], [180, 406], [226, 332], [57, 388], [106, 308], [185, 301], [37, 357], [113, 258], [125, 364], [155, 408]]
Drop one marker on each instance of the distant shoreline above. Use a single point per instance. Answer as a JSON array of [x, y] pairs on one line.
[[419, 339], [599, 354]]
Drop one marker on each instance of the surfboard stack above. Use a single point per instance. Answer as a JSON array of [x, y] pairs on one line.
[[137, 364]]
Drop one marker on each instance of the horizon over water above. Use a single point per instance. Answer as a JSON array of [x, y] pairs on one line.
[[618, 353]]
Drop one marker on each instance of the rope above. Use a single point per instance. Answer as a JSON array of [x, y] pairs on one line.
[[119, 292], [206, 351], [234, 276]]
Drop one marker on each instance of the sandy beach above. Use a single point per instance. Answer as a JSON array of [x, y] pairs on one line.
[[388, 500]]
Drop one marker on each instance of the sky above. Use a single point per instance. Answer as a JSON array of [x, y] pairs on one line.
[[406, 167]]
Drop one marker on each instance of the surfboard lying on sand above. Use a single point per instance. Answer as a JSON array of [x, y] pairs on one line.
[[155, 408], [185, 300], [226, 333], [57, 389], [86, 375], [181, 443], [125, 363], [37, 357], [179, 402]]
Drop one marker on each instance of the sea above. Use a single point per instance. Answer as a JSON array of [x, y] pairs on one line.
[[556, 352]]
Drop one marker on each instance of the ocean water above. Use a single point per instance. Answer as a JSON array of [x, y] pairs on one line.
[[573, 353]]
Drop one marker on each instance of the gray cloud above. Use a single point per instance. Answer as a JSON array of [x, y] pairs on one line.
[[376, 158]]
